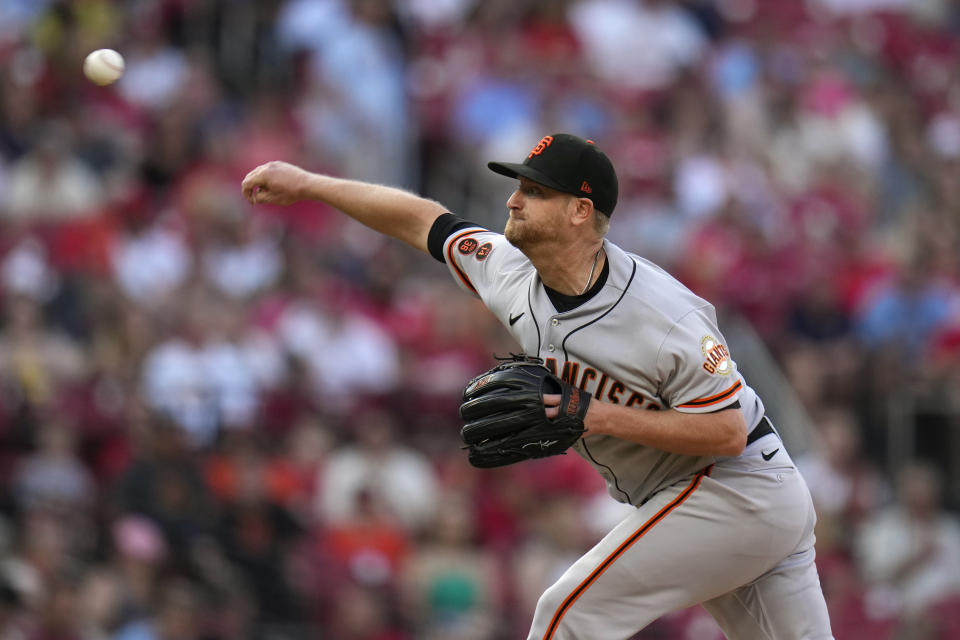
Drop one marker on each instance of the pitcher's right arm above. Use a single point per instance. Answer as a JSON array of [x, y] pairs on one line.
[[389, 210]]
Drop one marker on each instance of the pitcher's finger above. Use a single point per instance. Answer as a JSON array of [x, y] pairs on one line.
[[250, 184], [552, 399]]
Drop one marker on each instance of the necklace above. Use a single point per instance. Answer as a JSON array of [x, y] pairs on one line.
[[592, 269]]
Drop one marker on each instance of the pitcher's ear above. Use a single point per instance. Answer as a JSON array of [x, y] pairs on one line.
[[584, 211]]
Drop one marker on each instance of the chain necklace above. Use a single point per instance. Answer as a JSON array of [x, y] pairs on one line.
[[596, 257]]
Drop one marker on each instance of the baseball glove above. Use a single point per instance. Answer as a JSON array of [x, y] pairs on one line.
[[505, 418]]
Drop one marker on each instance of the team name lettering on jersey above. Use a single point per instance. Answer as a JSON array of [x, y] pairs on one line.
[[600, 385]]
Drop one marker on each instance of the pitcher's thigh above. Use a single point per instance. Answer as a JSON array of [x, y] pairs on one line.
[[785, 604], [687, 545]]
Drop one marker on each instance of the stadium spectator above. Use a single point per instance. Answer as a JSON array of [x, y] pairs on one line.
[[911, 550]]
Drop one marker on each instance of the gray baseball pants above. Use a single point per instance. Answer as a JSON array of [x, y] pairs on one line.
[[736, 538]]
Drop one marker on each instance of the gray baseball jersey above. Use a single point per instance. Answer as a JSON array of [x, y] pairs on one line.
[[735, 534], [643, 341]]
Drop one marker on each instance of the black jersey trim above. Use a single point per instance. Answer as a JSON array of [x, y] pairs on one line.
[[563, 303], [533, 315], [443, 227], [616, 483], [735, 405], [563, 344], [714, 399]]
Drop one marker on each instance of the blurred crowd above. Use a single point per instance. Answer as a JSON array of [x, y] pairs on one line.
[[222, 422]]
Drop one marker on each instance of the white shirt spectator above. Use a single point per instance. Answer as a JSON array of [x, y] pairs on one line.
[[152, 78], [52, 188], [176, 382], [354, 50], [234, 383], [243, 269], [892, 539], [911, 551], [400, 477], [345, 352], [309, 24], [701, 185], [150, 265], [216, 384], [636, 45], [26, 270]]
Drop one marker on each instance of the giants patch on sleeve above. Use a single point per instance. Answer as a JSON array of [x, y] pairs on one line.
[[716, 357]]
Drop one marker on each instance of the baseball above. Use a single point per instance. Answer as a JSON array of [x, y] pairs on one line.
[[103, 66]]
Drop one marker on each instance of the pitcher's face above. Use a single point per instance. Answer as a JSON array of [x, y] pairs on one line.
[[537, 214]]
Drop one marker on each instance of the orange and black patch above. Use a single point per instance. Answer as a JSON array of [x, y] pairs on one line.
[[484, 251], [467, 246]]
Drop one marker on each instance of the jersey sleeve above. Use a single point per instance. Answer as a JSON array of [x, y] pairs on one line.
[[443, 226], [477, 258], [696, 370]]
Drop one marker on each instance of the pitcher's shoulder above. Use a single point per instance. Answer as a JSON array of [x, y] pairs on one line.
[[653, 286]]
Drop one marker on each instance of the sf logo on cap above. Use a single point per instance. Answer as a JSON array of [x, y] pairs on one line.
[[543, 144]]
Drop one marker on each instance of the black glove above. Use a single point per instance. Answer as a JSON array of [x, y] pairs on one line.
[[505, 418]]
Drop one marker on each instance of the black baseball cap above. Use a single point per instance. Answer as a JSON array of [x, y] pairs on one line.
[[570, 164]]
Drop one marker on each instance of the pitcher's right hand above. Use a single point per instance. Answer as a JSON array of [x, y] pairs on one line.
[[275, 182]]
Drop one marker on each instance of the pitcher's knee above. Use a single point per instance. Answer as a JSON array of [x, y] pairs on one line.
[[550, 601], [557, 616]]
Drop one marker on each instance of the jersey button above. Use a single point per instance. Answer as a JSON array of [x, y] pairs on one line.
[[555, 322], [551, 348]]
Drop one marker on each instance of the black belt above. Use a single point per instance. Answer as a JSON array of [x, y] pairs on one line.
[[763, 428]]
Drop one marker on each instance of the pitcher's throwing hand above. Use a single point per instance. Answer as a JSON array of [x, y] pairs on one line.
[[275, 183]]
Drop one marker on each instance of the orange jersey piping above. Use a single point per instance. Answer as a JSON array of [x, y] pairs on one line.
[[463, 277], [720, 397]]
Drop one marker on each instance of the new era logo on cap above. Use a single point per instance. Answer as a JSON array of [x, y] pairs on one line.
[[569, 164]]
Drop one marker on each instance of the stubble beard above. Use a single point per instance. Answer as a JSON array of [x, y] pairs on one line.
[[524, 234], [514, 234]]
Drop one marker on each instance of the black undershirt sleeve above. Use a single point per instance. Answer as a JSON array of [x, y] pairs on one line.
[[735, 405], [442, 228]]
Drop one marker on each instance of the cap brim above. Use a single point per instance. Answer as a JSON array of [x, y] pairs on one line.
[[515, 170]]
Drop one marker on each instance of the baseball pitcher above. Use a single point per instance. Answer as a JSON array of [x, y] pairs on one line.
[[626, 366]]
